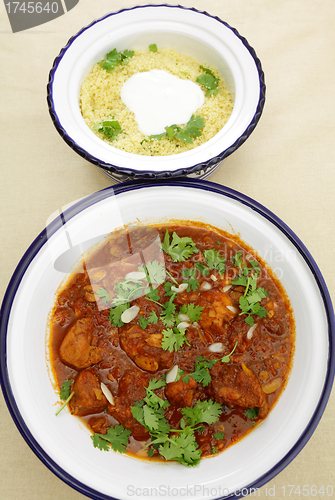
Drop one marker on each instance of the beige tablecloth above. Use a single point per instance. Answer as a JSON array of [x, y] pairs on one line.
[[288, 165]]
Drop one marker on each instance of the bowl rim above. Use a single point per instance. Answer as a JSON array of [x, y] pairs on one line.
[[127, 187], [150, 174]]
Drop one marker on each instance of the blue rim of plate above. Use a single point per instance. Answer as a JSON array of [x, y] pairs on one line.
[[117, 189], [149, 174]]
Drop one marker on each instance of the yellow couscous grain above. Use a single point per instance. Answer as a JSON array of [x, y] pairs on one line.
[[100, 101]]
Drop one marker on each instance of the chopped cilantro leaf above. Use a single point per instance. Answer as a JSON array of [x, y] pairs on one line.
[[153, 47], [168, 315], [115, 314], [114, 58], [251, 413], [219, 435], [152, 319], [117, 437], [206, 412], [209, 81], [155, 272], [237, 258], [181, 447], [191, 131], [203, 269], [215, 261], [173, 339], [110, 129], [201, 370], [250, 302], [192, 311], [153, 295], [193, 283], [128, 289], [103, 295], [179, 249], [65, 403], [226, 359], [64, 392]]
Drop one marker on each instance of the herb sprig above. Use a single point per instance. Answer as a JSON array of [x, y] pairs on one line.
[[114, 58], [110, 129], [249, 302], [209, 81], [174, 444], [191, 131]]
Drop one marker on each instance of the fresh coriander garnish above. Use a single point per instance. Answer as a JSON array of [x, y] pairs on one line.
[[179, 249], [251, 413], [250, 302], [115, 314], [64, 393], [173, 444], [152, 319], [207, 412], [110, 129], [114, 58], [215, 261], [155, 272], [203, 365], [103, 295], [168, 315], [173, 339], [237, 258], [209, 81], [65, 389], [153, 47], [203, 269], [187, 134], [193, 283], [219, 435], [192, 311], [226, 359], [116, 437], [201, 371]]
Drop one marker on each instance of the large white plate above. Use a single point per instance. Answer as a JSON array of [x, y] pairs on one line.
[[64, 445]]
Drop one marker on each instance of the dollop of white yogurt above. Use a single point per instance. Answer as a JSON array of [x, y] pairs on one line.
[[159, 99]]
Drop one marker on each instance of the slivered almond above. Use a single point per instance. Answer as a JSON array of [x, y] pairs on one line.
[[107, 393], [129, 314]]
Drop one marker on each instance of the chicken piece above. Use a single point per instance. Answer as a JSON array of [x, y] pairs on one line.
[[237, 385], [215, 311], [76, 349], [131, 389], [181, 393], [145, 348], [88, 397]]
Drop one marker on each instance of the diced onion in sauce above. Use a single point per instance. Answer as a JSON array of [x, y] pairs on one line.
[[136, 275], [213, 277], [180, 288], [232, 309], [172, 374], [129, 314], [217, 347], [251, 330], [226, 288], [205, 285], [107, 393]]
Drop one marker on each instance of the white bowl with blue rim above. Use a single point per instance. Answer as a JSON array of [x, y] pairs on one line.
[[198, 34], [63, 443]]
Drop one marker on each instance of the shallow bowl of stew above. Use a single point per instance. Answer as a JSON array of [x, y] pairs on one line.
[[211, 41], [229, 237]]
